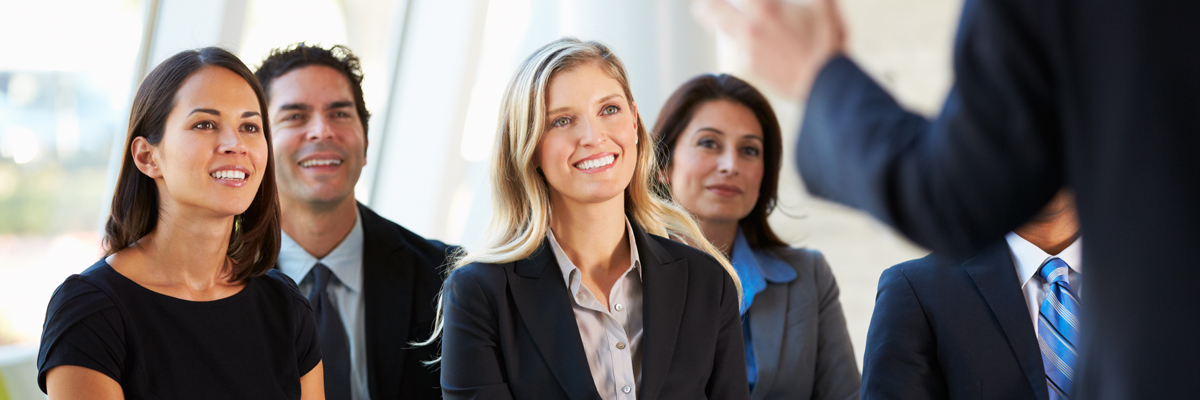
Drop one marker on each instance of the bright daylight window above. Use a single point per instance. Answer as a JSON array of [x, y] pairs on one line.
[[65, 84]]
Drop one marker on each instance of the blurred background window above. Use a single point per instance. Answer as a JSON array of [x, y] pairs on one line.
[[65, 85]]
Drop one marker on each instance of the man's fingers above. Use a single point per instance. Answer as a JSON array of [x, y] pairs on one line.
[[759, 9], [837, 23], [722, 15]]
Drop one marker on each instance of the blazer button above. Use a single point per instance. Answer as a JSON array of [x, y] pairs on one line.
[[626, 389], [621, 346], [619, 307]]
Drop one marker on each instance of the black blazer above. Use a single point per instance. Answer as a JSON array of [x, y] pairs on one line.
[[510, 332], [1100, 95], [401, 280], [953, 330]]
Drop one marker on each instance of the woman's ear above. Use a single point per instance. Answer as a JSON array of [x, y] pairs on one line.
[[145, 158], [636, 118]]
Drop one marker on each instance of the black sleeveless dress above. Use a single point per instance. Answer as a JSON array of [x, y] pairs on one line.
[[255, 344]]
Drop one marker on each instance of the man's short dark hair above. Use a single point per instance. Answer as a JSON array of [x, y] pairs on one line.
[[285, 59]]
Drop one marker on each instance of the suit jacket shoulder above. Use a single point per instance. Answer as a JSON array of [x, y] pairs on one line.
[[377, 226], [952, 328], [698, 261], [807, 262], [800, 333], [401, 280], [924, 268]]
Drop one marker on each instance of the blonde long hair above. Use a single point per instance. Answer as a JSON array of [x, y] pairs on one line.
[[521, 211]]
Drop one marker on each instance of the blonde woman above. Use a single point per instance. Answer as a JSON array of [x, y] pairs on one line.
[[578, 292]]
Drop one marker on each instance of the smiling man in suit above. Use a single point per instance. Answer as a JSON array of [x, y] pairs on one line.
[[371, 282], [999, 325]]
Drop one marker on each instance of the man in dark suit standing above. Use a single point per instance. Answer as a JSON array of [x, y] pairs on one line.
[[1098, 94], [371, 283], [945, 328]]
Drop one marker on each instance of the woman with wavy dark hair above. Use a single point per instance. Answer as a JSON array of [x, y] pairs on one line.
[[720, 146], [185, 303]]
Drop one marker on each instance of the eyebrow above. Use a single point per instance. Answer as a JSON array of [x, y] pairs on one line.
[[602, 99], [249, 114], [295, 107], [206, 110], [340, 104], [717, 131], [609, 97], [558, 110]]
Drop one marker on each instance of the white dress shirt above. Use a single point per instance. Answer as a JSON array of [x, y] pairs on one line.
[[1028, 258], [345, 261], [611, 337]]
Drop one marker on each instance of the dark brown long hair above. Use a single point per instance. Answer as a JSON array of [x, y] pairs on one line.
[[678, 112], [254, 241]]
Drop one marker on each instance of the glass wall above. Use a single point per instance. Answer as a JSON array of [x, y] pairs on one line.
[[63, 102]]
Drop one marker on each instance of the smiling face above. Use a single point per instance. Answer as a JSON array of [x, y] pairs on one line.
[[589, 148], [213, 152], [319, 139], [717, 165]]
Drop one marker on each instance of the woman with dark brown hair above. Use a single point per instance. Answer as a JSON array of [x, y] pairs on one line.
[[720, 146], [185, 303]]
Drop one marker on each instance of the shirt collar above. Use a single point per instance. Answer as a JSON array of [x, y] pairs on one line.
[[755, 268], [1029, 257], [345, 261], [569, 269], [761, 261]]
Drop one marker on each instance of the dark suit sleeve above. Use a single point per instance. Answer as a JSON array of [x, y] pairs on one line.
[[958, 183], [472, 365], [901, 357], [837, 375], [728, 379]]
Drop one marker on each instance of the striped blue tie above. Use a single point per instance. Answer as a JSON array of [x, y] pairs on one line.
[[1058, 329]]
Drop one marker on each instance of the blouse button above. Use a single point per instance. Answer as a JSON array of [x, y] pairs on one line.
[[626, 389], [621, 346], [619, 307]]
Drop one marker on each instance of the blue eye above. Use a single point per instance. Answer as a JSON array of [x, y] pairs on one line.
[[562, 121], [609, 110]]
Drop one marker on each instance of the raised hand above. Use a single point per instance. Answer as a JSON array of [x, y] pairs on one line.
[[786, 43]]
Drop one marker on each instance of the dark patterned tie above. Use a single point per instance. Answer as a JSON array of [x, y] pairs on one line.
[[335, 346], [1058, 329]]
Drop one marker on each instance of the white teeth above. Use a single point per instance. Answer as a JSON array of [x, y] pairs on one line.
[[595, 163], [229, 174], [311, 163]]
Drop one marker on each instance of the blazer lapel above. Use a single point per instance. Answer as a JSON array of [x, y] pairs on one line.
[[664, 293], [996, 278], [387, 296], [767, 318], [545, 307]]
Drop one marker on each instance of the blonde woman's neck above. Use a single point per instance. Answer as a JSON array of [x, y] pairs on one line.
[[592, 235]]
